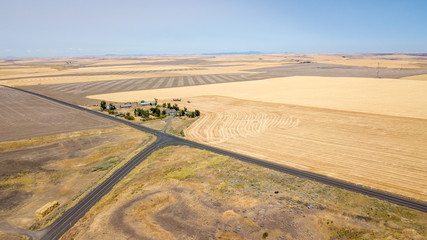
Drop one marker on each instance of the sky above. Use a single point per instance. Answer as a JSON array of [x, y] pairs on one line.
[[58, 28]]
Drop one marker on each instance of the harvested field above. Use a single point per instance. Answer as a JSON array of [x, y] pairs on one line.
[[86, 74], [375, 150], [76, 92], [73, 79], [384, 61], [88, 88], [382, 152], [25, 116], [184, 193], [422, 77], [370, 95], [81, 86]]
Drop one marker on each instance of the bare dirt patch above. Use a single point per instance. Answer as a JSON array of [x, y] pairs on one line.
[[184, 193]]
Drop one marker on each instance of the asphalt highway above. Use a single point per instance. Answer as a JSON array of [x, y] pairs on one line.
[[72, 215]]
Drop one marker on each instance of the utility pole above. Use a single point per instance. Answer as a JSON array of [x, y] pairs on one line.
[[378, 69]]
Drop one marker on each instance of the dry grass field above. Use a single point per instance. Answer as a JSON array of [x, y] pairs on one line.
[[184, 193], [366, 131], [60, 167]]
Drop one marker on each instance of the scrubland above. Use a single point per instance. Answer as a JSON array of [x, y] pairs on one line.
[[184, 193]]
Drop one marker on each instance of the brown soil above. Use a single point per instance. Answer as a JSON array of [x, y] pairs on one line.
[[36, 158], [24, 115], [184, 193]]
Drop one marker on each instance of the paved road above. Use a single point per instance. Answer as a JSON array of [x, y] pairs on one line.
[[71, 216]]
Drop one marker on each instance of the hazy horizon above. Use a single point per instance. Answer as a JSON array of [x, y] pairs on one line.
[[97, 28]]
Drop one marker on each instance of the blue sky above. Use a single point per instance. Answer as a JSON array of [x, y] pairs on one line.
[[49, 28]]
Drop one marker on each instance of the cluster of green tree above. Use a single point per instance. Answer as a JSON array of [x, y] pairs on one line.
[[169, 106], [183, 112], [129, 117], [141, 113], [155, 111], [103, 106], [189, 114]]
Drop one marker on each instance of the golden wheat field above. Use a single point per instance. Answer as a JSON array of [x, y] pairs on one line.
[[393, 97], [378, 151], [367, 131]]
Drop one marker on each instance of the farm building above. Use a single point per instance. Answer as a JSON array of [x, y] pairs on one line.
[[146, 103], [170, 111], [126, 105]]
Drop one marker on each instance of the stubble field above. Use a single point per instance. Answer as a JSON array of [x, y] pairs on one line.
[[362, 130], [23, 115]]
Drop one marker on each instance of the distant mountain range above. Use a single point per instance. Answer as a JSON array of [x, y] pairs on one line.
[[233, 53]]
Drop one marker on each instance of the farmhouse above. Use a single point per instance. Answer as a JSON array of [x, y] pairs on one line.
[[170, 111]]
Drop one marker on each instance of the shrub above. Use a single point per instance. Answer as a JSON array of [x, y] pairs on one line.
[[265, 235], [130, 117]]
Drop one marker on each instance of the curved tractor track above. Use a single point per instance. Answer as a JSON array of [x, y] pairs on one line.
[[71, 216]]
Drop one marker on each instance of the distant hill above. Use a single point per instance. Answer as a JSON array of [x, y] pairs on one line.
[[234, 53]]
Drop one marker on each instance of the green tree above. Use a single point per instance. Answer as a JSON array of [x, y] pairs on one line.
[[175, 107], [169, 106], [112, 107], [164, 105], [197, 112], [103, 105]]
